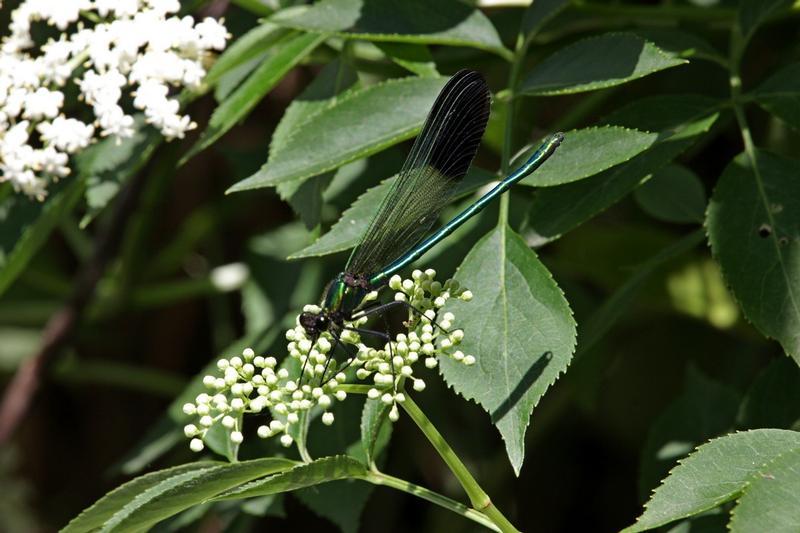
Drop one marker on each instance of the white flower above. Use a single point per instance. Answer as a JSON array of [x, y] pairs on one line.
[[124, 48], [43, 103], [212, 34]]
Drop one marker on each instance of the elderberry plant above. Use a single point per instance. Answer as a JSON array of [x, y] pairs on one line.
[[251, 384]]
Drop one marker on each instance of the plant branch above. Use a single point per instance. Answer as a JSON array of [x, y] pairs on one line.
[[59, 328], [477, 496], [379, 478]]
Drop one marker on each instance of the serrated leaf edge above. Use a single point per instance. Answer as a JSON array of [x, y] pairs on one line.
[[606, 84]]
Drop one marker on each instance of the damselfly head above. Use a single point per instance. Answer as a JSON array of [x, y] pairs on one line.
[[314, 323]]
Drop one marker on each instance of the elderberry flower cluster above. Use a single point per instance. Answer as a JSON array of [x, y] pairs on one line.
[[254, 384], [251, 384], [120, 56]]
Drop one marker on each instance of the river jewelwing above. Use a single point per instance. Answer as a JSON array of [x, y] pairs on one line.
[[438, 161]]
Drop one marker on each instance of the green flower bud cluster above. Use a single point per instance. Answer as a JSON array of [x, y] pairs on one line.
[[254, 384], [428, 336]]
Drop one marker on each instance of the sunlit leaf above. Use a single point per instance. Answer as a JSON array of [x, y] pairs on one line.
[[519, 327], [143, 502], [771, 501], [589, 151], [357, 125], [679, 121], [715, 473], [447, 22], [596, 63], [303, 475]]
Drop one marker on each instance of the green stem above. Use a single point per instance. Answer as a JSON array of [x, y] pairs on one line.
[[379, 478], [477, 496], [508, 136], [355, 389]]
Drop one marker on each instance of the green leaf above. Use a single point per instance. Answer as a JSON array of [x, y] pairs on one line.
[[229, 81], [239, 104], [244, 49], [373, 420], [780, 94], [753, 13], [588, 151], [108, 164], [715, 473], [26, 224], [673, 194], [771, 502], [596, 63], [681, 44], [105, 508], [141, 503], [704, 410], [305, 196], [351, 226], [773, 399], [447, 22], [519, 327], [415, 58], [540, 13], [303, 475], [753, 224], [679, 119], [395, 111]]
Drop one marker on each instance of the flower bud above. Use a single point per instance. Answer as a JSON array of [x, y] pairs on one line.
[[189, 408], [327, 418], [286, 440], [228, 421], [190, 430], [237, 437], [196, 445], [263, 432], [248, 353]]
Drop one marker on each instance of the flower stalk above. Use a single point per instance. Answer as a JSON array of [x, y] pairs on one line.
[[477, 496]]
